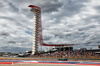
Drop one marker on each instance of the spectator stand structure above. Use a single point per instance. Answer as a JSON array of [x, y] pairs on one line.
[[38, 39]]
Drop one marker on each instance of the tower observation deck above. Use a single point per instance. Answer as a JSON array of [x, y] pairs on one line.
[[38, 39]]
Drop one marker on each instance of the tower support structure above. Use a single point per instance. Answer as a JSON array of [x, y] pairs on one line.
[[36, 32]]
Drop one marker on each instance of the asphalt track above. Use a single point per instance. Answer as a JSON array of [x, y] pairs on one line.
[[47, 63]]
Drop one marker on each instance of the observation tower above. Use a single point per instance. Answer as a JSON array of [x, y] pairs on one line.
[[38, 39]]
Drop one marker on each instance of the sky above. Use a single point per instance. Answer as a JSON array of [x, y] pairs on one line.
[[63, 22]]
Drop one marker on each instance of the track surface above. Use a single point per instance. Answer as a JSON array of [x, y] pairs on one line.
[[47, 63]]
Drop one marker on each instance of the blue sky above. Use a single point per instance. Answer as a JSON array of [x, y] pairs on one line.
[[64, 21]]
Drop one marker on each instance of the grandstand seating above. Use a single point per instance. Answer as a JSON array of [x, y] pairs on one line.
[[77, 54]]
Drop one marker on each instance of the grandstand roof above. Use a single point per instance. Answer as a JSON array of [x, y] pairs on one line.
[[59, 44]]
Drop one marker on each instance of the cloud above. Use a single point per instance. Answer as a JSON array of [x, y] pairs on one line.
[[1, 5], [13, 49], [4, 34], [75, 22], [13, 7], [67, 21], [14, 25]]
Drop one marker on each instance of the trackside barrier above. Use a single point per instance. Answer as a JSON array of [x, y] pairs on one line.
[[11, 62]]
